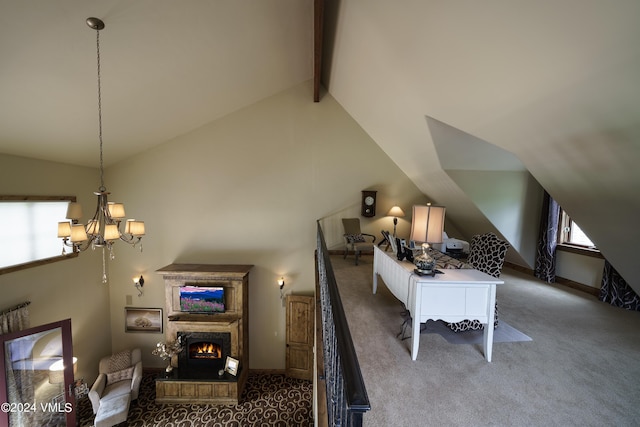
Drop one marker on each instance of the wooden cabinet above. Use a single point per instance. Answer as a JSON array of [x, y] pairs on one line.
[[192, 391], [180, 387], [300, 321]]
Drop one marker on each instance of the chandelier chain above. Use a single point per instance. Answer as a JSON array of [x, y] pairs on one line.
[[104, 229], [102, 187]]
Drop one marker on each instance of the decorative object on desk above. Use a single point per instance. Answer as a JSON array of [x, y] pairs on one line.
[[399, 251], [103, 230], [396, 213], [425, 264], [393, 243], [386, 237], [166, 351], [403, 251], [368, 203], [399, 248], [232, 365], [427, 225]]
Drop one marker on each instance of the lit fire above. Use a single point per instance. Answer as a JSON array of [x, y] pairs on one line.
[[206, 350]]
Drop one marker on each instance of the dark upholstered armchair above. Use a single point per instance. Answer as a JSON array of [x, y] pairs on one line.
[[486, 253]]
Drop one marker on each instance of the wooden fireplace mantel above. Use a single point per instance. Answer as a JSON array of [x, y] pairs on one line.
[[205, 270], [206, 318], [235, 320]]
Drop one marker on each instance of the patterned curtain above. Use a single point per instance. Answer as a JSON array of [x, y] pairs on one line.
[[616, 291], [14, 319], [548, 240]]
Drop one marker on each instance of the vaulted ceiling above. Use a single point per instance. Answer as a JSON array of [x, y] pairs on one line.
[[167, 68], [555, 83]]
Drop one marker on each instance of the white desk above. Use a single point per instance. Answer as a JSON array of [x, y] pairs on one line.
[[452, 296]]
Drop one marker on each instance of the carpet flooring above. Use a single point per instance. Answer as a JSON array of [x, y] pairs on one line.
[[267, 400], [580, 368]]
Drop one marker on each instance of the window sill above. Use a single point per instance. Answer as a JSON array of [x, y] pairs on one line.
[[595, 253]]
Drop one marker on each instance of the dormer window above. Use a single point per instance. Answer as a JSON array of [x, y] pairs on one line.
[[571, 234]]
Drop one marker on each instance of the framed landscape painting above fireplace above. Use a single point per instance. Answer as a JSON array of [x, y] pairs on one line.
[[201, 299]]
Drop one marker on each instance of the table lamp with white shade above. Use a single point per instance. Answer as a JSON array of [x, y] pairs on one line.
[[396, 212]]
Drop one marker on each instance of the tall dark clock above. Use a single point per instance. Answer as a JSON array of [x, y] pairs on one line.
[[368, 203]]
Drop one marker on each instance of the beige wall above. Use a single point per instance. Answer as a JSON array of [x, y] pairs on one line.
[[511, 200], [579, 268], [245, 189], [67, 289], [248, 189]]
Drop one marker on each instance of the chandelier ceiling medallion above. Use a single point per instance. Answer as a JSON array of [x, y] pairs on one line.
[[103, 230]]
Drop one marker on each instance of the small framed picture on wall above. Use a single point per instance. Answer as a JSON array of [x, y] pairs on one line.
[[138, 319]]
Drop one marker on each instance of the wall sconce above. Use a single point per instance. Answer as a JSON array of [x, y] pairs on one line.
[[281, 286], [138, 282]]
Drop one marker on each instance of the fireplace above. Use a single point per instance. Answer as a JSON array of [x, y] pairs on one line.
[[197, 379], [204, 351]]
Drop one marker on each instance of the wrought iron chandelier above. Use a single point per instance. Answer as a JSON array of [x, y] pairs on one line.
[[104, 229]]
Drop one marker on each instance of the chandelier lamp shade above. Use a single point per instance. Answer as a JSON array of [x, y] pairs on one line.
[[106, 227], [103, 229]]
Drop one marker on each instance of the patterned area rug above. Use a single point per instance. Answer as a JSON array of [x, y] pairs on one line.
[[503, 333], [267, 400]]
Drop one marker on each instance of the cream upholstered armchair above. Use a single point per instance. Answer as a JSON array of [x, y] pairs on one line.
[[119, 374], [354, 239]]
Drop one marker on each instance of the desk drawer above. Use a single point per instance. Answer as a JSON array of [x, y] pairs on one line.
[[447, 300]]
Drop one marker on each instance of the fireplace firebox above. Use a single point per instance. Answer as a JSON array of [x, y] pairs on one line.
[[204, 350]]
